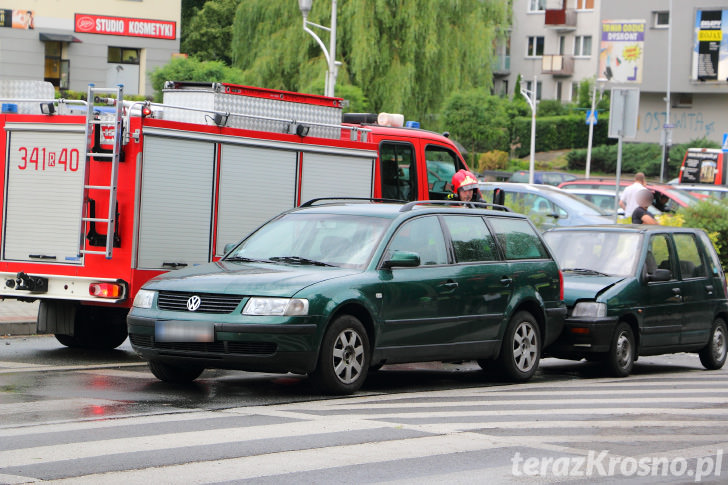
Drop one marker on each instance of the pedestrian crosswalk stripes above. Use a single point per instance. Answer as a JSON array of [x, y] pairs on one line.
[[684, 414]]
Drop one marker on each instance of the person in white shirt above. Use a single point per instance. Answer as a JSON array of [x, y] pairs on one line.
[[628, 200]]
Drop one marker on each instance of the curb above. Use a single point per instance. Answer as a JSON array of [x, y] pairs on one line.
[[17, 328]]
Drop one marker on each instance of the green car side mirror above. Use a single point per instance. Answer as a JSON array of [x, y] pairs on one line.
[[403, 259], [660, 275]]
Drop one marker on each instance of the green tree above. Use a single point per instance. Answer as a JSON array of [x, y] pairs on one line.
[[405, 55], [191, 69], [208, 33], [585, 96], [478, 120]]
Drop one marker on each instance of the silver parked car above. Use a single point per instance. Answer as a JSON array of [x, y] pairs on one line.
[[547, 206]]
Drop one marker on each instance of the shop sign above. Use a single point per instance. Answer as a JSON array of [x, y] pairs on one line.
[[129, 27]]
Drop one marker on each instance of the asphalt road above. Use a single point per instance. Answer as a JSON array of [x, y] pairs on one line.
[[71, 416]]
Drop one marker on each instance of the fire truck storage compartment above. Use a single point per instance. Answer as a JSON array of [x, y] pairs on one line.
[[44, 190], [265, 109], [175, 215], [336, 176], [255, 185]]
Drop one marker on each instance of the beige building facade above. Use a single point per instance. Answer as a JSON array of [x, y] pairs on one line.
[[72, 43]]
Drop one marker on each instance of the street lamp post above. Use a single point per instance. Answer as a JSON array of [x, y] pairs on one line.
[[530, 95], [592, 122], [667, 138], [330, 53]]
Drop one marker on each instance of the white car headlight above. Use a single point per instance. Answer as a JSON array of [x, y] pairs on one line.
[[589, 309], [276, 306], [144, 299]]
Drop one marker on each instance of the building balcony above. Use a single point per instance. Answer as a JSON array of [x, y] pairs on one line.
[[501, 66], [557, 65], [561, 19]]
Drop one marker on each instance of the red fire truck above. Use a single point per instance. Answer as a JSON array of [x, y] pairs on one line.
[[95, 203]]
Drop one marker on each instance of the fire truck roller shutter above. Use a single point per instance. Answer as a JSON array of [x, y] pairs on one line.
[[175, 211], [256, 184], [336, 176], [44, 198]]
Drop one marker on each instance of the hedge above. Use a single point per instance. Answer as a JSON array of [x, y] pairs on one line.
[[636, 157], [558, 133]]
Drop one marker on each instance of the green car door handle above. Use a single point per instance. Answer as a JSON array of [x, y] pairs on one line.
[[709, 289], [506, 280], [449, 285]]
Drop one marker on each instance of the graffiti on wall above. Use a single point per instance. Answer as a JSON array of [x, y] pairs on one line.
[[692, 122]]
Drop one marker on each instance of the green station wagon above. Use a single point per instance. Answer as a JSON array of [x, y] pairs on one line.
[[635, 290], [334, 289]]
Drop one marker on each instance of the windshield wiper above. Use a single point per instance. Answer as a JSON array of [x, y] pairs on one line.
[[584, 271], [242, 259], [298, 260]]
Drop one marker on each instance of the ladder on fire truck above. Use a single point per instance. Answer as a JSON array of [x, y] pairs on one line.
[[94, 124]]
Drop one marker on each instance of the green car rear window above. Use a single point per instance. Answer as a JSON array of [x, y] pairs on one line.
[[518, 239], [471, 239]]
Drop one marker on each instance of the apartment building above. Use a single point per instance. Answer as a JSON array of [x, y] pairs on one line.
[[72, 43], [626, 43], [555, 43]]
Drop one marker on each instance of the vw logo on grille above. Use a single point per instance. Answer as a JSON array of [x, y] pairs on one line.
[[193, 303]]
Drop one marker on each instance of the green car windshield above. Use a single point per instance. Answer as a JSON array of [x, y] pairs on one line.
[[599, 252], [314, 239]]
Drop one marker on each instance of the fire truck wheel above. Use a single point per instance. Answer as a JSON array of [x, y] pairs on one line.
[[174, 373], [101, 328], [68, 340], [97, 328]]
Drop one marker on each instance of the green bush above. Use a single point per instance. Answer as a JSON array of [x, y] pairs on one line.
[[492, 160], [551, 107], [712, 217], [557, 133]]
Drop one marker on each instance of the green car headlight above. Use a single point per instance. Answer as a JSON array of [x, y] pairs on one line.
[[276, 306], [589, 309], [144, 299]]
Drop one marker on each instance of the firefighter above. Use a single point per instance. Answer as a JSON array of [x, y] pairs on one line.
[[465, 187]]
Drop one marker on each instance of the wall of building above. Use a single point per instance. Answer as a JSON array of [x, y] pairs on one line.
[[532, 23], [697, 108], [87, 54]]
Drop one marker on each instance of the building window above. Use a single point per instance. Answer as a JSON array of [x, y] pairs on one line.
[[582, 45], [584, 4], [504, 88], [529, 87], [536, 5], [661, 20], [562, 45], [682, 100], [535, 46], [56, 69], [123, 55]]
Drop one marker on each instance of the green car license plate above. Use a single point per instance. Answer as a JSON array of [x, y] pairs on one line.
[[179, 331]]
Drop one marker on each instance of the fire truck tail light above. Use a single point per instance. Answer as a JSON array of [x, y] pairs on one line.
[[105, 290]]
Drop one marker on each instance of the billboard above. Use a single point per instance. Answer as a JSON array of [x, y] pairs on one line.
[[710, 46], [621, 51], [16, 19]]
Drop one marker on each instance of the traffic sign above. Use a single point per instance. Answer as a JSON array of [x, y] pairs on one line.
[[591, 117], [725, 142]]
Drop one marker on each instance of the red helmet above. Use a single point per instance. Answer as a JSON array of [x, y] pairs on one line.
[[464, 180]]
